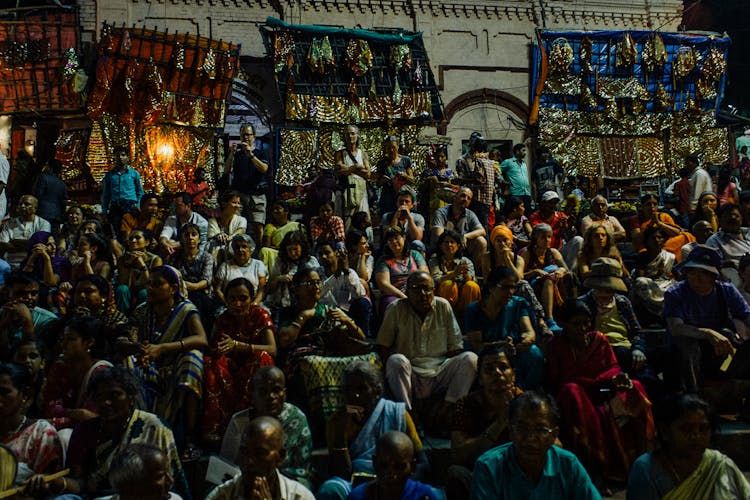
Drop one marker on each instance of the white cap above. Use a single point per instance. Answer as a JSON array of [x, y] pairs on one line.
[[550, 195]]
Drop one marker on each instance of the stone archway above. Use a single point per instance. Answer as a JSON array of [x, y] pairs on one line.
[[484, 96]]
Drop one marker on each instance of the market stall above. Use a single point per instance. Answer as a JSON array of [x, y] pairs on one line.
[[628, 106], [329, 77], [162, 95]]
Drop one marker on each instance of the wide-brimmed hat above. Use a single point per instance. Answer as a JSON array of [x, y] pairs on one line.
[[550, 195], [703, 257], [605, 273]]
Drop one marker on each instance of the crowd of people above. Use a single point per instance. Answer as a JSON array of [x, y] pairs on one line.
[[562, 353]]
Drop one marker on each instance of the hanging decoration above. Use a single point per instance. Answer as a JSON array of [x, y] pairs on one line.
[[178, 56], [684, 62], [560, 57], [418, 78], [283, 54], [626, 52], [587, 100], [400, 58], [654, 55], [714, 66], [352, 94], [587, 48], [358, 56], [397, 94], [126, 43], [372, 92], [320, 58], [209, 64]]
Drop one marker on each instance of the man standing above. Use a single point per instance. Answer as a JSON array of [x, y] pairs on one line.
[[412, 223], [183, 213], [52, 193], [15, 235], [121, 188], [353, 171], [516, 173], [700, 180], [249, 168], [598, 216], [458, 217], [548, 174], [424, 341], [530, 466], [262, 452], [477, 172]]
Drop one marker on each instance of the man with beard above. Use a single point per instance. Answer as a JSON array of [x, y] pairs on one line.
[[424, 341], [530, 466], [261, 454]]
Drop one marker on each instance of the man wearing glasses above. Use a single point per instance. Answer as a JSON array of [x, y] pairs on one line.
[[530, 466], [424, 341], [599, 216], [248, 168]]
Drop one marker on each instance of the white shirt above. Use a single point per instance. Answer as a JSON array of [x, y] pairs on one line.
[[424, 342], [700, 182], [339, 291], [172, 227], [17, 229]]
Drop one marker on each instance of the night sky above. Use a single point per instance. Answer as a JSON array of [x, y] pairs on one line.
[[732, 17]]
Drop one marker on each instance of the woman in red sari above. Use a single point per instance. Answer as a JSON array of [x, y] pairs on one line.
[[606, 416], [242, 341]]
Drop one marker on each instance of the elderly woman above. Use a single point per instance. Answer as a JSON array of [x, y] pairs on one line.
[[242, 265], [683, 465], [96, 442], [606, 416], [544, 268], [167, 337], [353, 431], [481, 419], [34, 443], [453, 273], [242, 341], [502, 316], [395, 265], [196, 266], [394, 171]]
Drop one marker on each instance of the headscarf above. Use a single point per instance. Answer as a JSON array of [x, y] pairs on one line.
[[500, 230], [59, 263], [173, 277]]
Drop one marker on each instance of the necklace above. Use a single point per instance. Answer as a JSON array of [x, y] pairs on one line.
[[20, 426]]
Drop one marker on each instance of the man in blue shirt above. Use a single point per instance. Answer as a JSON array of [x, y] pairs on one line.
[[121, 188], [516, 173], [530, 467]]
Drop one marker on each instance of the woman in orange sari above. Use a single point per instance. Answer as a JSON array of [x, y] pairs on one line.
[[606, 416], [242, 341]]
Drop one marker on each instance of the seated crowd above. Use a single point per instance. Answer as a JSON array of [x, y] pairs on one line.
[[561, 354]]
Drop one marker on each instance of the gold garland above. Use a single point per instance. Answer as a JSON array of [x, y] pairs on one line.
[[326, 109]]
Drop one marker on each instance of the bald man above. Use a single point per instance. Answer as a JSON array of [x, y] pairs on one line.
[[394, 462], [261, 454], [269, 399], [426, 347]]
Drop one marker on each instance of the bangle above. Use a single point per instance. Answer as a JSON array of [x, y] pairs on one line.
[[182, 345], [294, 323], [65, 485], [341, 449]]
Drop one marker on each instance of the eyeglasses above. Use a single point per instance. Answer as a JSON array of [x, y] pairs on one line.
[[421, 288], [527, 431], [247, 135], [311, 283], [510, 288]]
